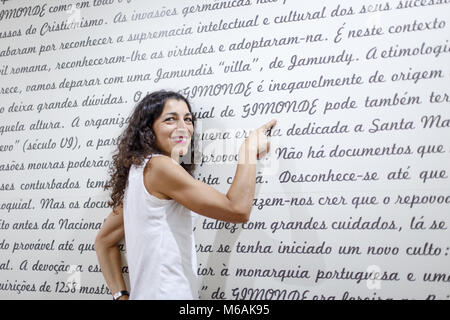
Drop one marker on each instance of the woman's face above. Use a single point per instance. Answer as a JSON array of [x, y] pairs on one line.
[[174, 129]]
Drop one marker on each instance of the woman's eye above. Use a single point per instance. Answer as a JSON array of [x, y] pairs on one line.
[[172, 118]]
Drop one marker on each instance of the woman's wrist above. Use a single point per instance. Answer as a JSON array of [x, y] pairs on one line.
[[247, 153], [119, 294]]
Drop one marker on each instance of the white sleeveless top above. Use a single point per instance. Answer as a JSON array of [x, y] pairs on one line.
[[160, 244]]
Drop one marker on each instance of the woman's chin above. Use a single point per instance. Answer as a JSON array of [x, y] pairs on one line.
[[179, 151]]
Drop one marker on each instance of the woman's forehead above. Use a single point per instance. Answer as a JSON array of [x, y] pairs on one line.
[[173, 105]]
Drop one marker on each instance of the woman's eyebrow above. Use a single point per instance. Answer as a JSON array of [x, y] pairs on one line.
[[175, 114]]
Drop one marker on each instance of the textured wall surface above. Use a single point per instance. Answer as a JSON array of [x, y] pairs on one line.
[[353, 200]]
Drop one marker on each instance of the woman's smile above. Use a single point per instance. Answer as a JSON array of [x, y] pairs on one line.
[[181, 139]]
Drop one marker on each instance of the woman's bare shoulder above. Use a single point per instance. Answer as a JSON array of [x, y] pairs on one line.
[[162, 162], [162, 169]]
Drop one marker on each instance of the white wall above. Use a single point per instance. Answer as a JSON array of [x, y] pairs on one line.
[[395, 195]]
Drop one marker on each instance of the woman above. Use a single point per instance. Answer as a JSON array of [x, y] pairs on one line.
[[155, 199]]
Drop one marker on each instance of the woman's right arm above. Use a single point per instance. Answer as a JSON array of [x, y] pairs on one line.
[[108, 253], [169, 178]]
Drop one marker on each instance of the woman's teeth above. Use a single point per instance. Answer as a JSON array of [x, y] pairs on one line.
[[180, 139]]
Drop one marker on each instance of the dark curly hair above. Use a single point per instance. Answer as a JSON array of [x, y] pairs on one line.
[[138, 141]]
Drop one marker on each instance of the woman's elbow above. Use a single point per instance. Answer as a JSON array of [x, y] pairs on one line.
[[103, 243], [240, 217], [98, 243], [246, 217], [109, 237]]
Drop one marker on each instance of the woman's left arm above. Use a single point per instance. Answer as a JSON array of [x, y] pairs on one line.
[[108, 253]]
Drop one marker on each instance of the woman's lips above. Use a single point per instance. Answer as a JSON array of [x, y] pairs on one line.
[[180, 139]]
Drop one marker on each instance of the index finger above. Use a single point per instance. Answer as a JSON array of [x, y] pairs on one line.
[[269, 125]]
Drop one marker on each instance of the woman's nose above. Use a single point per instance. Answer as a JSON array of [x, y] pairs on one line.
[[181, 124]]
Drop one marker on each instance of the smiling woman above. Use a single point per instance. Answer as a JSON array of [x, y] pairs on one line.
[[156, 200]]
